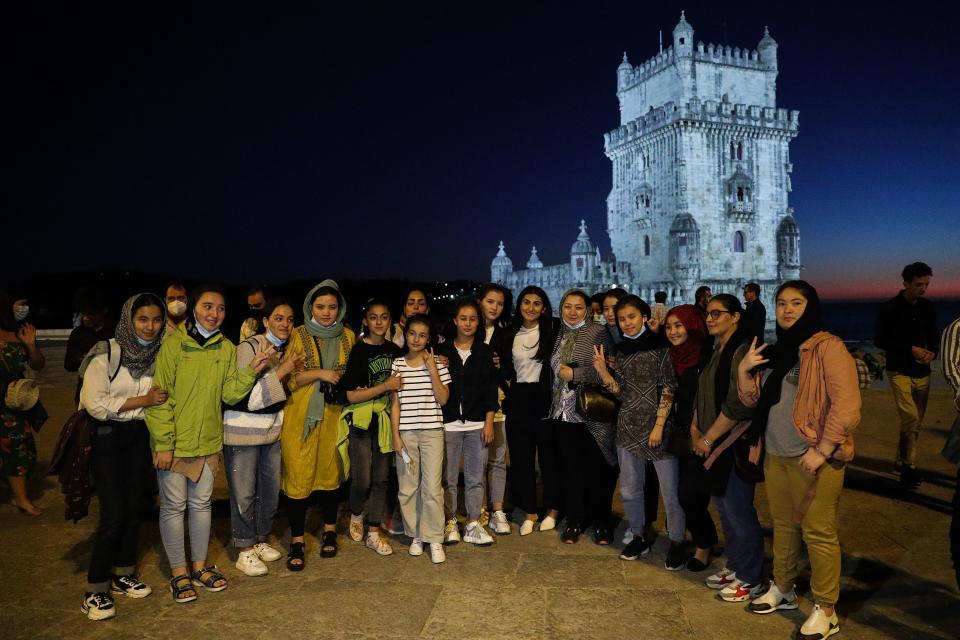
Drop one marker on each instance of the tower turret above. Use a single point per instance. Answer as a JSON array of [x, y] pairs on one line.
[[624, 72], [501, 267], [534, 262], [583, 258], [768, 49], [683, 38]]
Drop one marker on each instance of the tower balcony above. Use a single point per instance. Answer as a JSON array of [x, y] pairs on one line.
[[740, 210]]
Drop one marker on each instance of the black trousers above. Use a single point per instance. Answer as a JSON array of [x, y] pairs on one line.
[[329, 505], [530, 437], [121, 452], [588, 479], [651, 494], [694, 497]]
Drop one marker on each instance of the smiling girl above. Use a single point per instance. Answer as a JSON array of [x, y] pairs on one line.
[[418, 438], [197, 367]]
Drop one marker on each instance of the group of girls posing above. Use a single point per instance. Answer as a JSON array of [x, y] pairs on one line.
[[309, 407]]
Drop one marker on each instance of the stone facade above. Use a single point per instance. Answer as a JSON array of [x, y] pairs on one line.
[[701, 178]]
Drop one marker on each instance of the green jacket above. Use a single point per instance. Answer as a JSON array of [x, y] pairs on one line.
[[197, 379]]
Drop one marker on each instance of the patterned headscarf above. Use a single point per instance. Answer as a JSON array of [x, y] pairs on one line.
[[134, 356], [329, 352]]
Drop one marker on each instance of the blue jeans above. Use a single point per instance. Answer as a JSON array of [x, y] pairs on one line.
[[253, 473], [743, 538], [468, 445], [632, 480], [178, 494]]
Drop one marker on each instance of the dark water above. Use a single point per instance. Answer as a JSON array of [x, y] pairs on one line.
[[855, 321]]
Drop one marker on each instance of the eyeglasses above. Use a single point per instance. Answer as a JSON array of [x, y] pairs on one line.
[[715, 314]]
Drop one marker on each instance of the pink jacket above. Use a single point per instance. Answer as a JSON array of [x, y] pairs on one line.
[[827, 407]]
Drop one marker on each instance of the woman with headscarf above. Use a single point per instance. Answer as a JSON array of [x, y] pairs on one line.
[[588, 453], [117, 387], [687, 334], [806, 403], [18, 350], [313, 443]]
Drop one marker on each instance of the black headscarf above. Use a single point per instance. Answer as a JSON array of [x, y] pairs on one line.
[[646, 341], [783, 356]]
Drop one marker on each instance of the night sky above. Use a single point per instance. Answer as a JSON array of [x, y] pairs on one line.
[[408, 139]]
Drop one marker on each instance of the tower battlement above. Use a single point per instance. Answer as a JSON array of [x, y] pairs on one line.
[[704, 112], [710, 53]]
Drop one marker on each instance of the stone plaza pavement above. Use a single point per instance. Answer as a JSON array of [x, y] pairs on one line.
[[897, 579]]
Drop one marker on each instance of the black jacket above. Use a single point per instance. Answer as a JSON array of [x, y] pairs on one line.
[[473, 388], [754, 320], [900, 326]]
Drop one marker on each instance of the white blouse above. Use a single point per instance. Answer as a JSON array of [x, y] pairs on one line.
[[525, 346], [102, 399]]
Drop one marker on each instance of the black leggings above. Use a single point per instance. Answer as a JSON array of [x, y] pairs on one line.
[[329, 504], [694, 497], [588, 479]]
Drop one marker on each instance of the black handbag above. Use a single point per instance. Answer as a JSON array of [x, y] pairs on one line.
[[596, 404]]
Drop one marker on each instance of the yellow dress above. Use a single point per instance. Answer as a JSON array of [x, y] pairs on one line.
[[315, 463]]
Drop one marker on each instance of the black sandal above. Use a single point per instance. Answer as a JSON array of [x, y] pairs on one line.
[[330, 546], [570, 535], [295, 553], [178, 591], [210, 583]]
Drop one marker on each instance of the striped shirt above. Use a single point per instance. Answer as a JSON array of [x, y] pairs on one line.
[[419, 408], [950, 356]]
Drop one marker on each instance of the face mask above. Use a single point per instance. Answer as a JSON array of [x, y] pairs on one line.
[[145, 343], [639, 333], [575, 326], [274, 340], [21, 313], [314, 321], [176, 307], [204, 332]]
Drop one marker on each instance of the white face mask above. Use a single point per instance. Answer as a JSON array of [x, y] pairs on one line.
[[20, 313], [144, 343], [176, 307], [274, 340]]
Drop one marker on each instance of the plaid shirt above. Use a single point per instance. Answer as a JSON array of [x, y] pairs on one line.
[[863, 373]]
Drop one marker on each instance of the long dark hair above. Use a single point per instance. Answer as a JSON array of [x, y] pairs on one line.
[[545, 321], [507, 302], [450, 331], [721, 380], [424, 319]]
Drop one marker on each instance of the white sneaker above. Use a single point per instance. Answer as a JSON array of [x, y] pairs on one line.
[[773, 600], [451, 534], [500, 524], [437, 554], [249, 562], [721, 579], [628, 536], [476, 534], [548, 523], [267, 553], [378, 544], [356, 528], [526, 528], [130, 586], [740, 591], [98, 606], [818, 626], [416, 547]]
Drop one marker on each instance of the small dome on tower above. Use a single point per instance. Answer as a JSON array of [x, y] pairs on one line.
[[625, 65], [501, 259], [683, 27], [534, 262], [683, 223], [767, 40], [583, 244]]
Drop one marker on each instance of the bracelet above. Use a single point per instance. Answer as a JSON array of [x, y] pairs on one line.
[[816, 448], [707, 442]]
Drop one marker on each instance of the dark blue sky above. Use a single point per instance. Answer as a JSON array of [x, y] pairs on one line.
[[404, 140]]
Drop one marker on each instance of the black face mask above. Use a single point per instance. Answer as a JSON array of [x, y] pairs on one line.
[[254, 311]]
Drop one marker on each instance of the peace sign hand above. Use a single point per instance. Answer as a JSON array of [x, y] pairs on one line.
[[753, 357], [599, 360]]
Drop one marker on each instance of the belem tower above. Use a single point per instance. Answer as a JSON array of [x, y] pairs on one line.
[[701, 178]]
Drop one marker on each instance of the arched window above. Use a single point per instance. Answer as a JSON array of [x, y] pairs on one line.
[[738, 242], [646, 245], [733, 151], [740, 194], [739, 151]]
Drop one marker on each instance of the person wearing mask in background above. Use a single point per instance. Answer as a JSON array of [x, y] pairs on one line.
[[414, 304], [197, 367], [18, 351], [313, 442], [754, 313], [806, 404], [596, 307], [950, 352], [496, 302], [610, 300], [256, 303], [117, 387], [175, 298], [94, 327], [907, 332], [251, 441]]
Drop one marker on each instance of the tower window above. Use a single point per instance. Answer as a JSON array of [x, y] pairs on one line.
[[740, 194], [646, 245], [739, 151], [738, 242], [683, 40], [733, 151], [682, 240]]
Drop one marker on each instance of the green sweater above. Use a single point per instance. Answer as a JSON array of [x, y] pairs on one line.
[[198, 380]]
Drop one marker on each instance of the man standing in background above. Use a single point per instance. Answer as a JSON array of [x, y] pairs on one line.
[[907, 332], [754, 313]]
